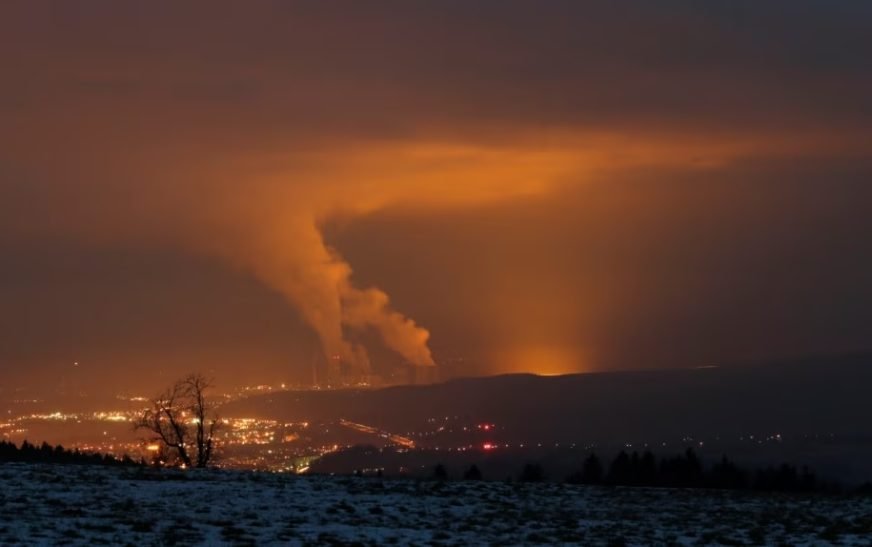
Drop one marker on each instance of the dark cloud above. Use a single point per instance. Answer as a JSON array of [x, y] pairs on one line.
[[393, 65]]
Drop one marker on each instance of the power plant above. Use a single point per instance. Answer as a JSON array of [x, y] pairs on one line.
[[334, 373]]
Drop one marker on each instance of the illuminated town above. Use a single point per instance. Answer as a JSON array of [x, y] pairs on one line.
[[245, 443], [286, 446]]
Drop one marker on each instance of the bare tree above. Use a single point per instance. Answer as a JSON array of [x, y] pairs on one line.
[[183, 422]]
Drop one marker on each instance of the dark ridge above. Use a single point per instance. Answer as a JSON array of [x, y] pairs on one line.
[[810, 396]]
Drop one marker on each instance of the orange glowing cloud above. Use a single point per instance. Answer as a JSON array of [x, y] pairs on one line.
[[263, 210], [269, 224], [276, 234]]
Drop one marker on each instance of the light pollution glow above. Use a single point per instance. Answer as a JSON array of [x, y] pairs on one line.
[[282, 244], [263, 212], [146, 129]]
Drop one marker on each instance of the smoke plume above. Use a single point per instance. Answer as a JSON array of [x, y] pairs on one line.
[[314, 278], [271, 227]]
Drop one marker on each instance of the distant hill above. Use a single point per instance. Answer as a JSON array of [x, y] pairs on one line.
[[814, 396]]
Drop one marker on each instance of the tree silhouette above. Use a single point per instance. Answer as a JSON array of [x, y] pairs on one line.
[[620, 471], [46, 453], [646, 472], [440, 473], [592, 470], [473, 473], [183, 422], [682, 471], [532, 472], [687, 471], [725, 474]]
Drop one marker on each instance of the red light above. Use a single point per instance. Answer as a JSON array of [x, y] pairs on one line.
[[488, 446]]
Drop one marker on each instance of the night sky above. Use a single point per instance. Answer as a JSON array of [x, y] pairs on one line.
[[242, 187]]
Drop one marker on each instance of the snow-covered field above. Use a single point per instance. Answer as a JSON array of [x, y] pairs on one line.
[[54, 504]]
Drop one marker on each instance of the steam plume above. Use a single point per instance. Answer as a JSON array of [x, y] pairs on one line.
[[317, 281], [279, 241]]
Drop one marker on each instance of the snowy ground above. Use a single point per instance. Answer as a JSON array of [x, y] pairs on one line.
[[53, 504]]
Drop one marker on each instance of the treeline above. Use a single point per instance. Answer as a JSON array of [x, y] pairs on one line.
[[688, 471], [46, 453], [681, 471]]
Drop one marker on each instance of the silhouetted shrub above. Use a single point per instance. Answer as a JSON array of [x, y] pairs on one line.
[[682, 471], [532, 472], [620, 471], [785, 478], [440, 473], [591, 472], [473, 473], [725, 474], [864, 489]]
